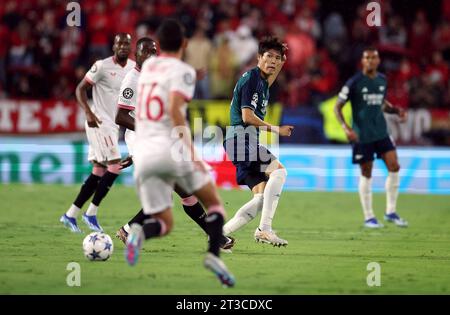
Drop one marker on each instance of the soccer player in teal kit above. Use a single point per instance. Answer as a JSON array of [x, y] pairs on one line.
[[255, 165], [369, 136]]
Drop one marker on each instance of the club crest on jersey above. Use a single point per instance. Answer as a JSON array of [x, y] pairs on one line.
[[382, 88], [188, 79], [128, 93]]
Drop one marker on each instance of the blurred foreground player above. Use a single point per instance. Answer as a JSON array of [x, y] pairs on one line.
[[146, 48], [164, 154]]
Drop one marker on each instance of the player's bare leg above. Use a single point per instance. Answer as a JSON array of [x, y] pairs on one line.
[[272, 191], [392, 184], [209, 197]]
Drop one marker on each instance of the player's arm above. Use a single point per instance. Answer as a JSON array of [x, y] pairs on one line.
[[349, 132], [391, 109], [176, 102], [249, 118], [126, 162], [124, 119], [93, 76], [126, 103], [274, 76], [82, 98], [343, 97]]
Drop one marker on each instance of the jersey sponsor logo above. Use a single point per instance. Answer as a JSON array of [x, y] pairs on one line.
[[382, 88], [358, 156], [255, 100], [128, 93], [373, 99], [94, 68], [364, 90], [188, 79]]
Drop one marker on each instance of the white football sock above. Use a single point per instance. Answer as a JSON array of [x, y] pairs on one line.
[[73, 211], [272, 194], [92, 210], [244, 215], [392, 184], [365, 195]]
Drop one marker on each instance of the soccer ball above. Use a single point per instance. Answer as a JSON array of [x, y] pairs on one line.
[[98, 246]]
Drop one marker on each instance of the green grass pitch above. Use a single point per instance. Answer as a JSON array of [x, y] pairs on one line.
[[328, 250]]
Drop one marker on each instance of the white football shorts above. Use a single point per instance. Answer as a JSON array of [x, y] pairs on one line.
[[103, 143], [156, 173]]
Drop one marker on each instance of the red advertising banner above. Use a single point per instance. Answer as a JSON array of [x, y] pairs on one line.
[[224, 172], [40, 117]]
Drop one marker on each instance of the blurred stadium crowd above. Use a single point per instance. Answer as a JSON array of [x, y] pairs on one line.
[[42, 57]]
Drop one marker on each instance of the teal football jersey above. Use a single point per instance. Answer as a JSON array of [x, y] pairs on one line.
[[367, 96]]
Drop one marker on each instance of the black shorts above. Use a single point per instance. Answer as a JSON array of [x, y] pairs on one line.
[[364, 152], [250, 160]]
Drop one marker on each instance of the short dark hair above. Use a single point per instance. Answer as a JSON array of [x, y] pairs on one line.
[[170, 35], [270, 42], [144, 40], [370, 48], [119, 35]]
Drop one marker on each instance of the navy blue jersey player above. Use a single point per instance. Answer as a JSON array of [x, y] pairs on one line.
[[369, 134], [255, 165]]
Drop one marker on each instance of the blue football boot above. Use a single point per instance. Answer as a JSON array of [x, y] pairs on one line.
[[394, 218], [91, 222], [373, 224], [70, 223]]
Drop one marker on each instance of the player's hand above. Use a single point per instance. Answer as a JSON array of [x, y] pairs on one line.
[[126, 162], [351, 135], [92, 120], [285, 131], [403, 115]]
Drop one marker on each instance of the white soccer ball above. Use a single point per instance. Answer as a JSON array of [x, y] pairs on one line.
[[98, 246]]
